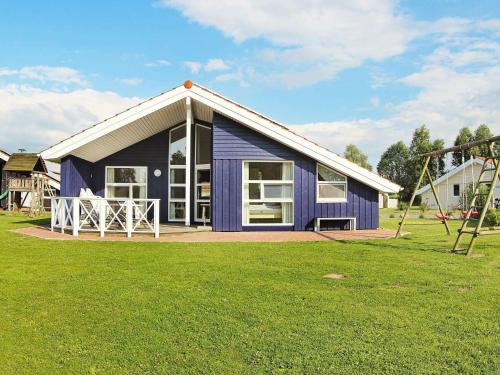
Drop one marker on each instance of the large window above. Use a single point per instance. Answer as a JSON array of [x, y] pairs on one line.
[[126, 182], [331, 185], [177, 174], [267, 193], [203, 152]]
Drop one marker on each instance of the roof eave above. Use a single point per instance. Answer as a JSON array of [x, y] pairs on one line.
[[236, 111]]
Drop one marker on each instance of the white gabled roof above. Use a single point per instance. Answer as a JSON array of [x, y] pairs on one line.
[[169, 109], [453, 172]]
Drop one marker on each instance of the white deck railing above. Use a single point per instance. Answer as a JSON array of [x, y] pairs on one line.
[[105, 215]]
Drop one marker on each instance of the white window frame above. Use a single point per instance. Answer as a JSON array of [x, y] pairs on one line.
[[267, 200], [170, 184], [123, 184], [318, 183], [200, 167]]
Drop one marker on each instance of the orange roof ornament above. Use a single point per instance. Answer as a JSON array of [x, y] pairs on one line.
[[188, 84]]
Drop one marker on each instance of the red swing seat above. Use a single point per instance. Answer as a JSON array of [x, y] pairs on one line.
[[443, 217], [474, 214]]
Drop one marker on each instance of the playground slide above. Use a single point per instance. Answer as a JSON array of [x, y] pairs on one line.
[[4, 195]]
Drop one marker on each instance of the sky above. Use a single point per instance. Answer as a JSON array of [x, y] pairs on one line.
[[363, 72]]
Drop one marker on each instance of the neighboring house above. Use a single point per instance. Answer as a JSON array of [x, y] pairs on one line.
[[210, 159], [451, 186]]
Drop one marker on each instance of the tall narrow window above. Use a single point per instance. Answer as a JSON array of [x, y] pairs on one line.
[[331, 185], [177, 174], [456, 190], [203, 151], [267, 193], [126, 182]]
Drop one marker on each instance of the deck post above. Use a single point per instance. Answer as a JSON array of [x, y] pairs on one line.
[[189, 118], [102, 217], [76, 216], [156, 218], [62, 213], [128, 214], [53, 212]]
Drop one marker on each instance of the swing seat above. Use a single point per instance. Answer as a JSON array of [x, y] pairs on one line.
[[474, 214], [443, 217]]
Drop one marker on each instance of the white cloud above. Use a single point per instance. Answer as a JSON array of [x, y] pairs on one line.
[[57, 74], [5, 72], [448, 100], [215, 64], [310, 43], [211, 65], [158, 63], [375, 101], [193, 66], [238, 76], [130, 81], [35, 118], [60, 74]]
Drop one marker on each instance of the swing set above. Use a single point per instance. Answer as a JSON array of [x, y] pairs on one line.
[[470, 210]]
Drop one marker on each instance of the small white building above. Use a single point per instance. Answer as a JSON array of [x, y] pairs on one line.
[[387, 201], [451, 186]]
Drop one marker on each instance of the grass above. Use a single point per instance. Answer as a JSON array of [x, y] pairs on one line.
[[404, 306]]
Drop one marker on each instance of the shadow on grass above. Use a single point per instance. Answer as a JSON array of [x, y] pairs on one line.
[[42, 222], [401, 244]]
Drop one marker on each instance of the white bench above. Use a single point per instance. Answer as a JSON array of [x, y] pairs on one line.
[[317, 222]]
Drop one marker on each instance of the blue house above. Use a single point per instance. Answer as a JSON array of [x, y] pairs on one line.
[[206, 159]]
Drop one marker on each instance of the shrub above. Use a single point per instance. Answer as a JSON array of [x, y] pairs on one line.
[[467, 197], [492, 218], [402, 206], [421, 216], [424, 207], [392, 216]]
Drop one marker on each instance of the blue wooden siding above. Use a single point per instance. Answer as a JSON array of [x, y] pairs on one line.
[[233, 143], [76, 174], [151, 153]]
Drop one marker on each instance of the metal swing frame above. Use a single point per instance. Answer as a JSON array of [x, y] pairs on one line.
[[492, 156]]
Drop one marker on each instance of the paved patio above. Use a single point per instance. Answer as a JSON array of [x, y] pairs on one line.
[[207, 236]]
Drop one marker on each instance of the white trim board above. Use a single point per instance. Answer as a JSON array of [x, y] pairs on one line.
[[233, 110], [4, 156]]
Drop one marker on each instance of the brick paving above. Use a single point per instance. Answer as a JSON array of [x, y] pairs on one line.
[[205, 236]]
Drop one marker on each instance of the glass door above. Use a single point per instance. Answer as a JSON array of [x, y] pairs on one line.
[[177, 174], [202, 185]]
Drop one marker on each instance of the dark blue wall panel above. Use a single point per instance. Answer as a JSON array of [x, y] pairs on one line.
[[151, 152], [76, 174], [233, 143]]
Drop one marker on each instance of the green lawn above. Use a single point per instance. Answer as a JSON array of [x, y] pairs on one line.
[[405, 306]]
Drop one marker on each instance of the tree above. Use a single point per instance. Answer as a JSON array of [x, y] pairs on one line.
[[354, 154], [464, 136], [482, 132], [437, 165], [421, 144], [393, 163]]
